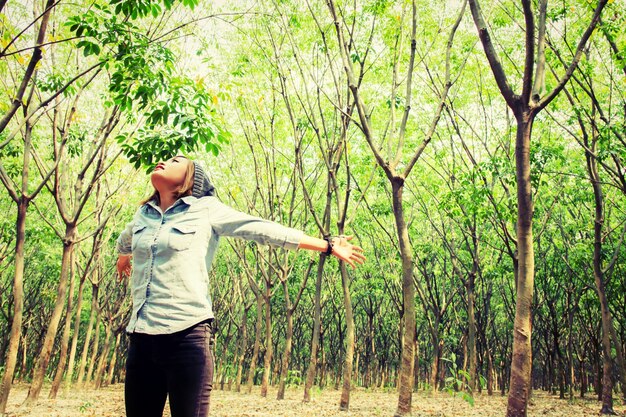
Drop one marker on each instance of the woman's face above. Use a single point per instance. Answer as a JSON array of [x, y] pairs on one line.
[[170, 175]]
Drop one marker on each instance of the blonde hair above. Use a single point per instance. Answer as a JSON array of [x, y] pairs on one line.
[[185, 189]]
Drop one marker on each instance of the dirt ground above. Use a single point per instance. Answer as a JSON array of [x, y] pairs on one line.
[[109, 402]]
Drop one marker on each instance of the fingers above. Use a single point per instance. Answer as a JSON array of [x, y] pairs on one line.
[[124, 267]]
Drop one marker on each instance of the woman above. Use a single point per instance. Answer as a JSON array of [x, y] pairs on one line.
[[172, 241]]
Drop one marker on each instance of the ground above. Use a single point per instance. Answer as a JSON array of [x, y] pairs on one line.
[[109, 402]]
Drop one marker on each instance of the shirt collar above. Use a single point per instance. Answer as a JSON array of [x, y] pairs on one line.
[[188, 200]]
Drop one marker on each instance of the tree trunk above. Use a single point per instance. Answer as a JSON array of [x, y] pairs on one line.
[[96, 348], [102, 360], [286, 353], [267, 358], [24, 365], [490, 372], [416, 367], [521, 363], [317, 313], [74, 346], [607, 320], [434, 366], [242, 350], [109, 379], [18, 304], [344, 403], [92, 318], [570, 343], [471, 337], [58, 378], [222, 357], [323, 363], [53, 326], [257, 343], [408, 302]]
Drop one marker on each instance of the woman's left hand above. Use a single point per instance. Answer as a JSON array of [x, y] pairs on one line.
[[345, 251]]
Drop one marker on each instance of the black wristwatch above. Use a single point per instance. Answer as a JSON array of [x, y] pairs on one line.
[[329, 249]]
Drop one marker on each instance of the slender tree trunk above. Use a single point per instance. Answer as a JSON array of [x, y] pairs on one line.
[[58, 378], [521, 364], [102, 360], [436, 367], [286, 355], [92, 318], [490, 372], [570, 343], [109, 379], [267, 359], [222, 357], [607, 320], [323, 362], [317, 313], [405, 395], [471, 337], [242, 350], [53, 326], [18, 304], [74, 346], [344, 402], [96, 348], [24, 365], [416, 367], [257, 343]]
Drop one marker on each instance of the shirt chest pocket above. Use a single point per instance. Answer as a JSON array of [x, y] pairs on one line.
[[181, 237], [138, 232]]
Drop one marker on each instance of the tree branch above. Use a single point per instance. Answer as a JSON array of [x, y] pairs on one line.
[[492, 56], [577, 55]]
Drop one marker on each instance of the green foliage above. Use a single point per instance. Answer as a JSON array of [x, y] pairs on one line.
[[181, 122], [85, 407], [294, 378], [179, 112], [457, 384]]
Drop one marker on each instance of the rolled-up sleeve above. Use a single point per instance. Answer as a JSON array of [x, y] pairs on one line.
[[227, 221], [125, 239]]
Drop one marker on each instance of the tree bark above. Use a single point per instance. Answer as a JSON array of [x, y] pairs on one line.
[[284, 369], [471, 337], [48, 343], [242, 350], [80, 379], [317, 314], [344, 402], [257, 343], [109, 379], [607, 320], [520, 381], [269, 348], [18, 304], [74, 346], [96, 348], [405, 394], [102, 360], [58, 378]]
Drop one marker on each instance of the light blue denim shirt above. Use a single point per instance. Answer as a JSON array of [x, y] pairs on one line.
[[172, 255]]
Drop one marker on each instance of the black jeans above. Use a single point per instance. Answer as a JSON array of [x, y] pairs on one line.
[[179, 365]]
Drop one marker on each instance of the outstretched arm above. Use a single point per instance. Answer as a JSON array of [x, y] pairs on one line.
[[341, 248]]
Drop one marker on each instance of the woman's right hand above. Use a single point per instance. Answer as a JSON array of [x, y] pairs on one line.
[[124, 266], [347, 252]]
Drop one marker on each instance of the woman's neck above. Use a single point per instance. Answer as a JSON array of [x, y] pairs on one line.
[[166, 200]]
